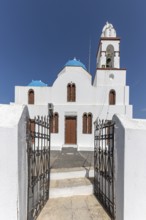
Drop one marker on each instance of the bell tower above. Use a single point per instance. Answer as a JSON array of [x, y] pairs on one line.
[[112, 93], [108, 54]]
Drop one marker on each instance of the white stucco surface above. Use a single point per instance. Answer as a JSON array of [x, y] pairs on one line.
[[13, 166], [130, 163]]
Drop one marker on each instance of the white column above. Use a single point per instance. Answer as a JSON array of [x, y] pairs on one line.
[[13, 163], [130, 168]]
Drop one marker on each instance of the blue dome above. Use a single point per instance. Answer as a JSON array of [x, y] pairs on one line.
[[37, 83], [75, 62]]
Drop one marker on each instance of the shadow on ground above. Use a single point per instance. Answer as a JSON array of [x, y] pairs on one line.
[[70, 158]]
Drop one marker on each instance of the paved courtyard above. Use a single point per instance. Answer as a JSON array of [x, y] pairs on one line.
[[69, 157], [73, 208]]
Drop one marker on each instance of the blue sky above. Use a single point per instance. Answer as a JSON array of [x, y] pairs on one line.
[[37, 37]]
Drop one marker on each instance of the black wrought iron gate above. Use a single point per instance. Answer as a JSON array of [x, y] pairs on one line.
[[38, 151], [104, 165]]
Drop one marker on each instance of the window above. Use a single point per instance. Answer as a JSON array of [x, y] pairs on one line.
[[32, 130], [84, 123], [87, 123], [112, 97], [71, 92], [54, 123], [108, 128], [31, 96]]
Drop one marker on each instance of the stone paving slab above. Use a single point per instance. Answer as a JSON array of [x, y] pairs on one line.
[[70, 157], [73, 208], [72, 169], [70, 182]]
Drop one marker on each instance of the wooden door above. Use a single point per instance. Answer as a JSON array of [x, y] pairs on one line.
[[70, 130]]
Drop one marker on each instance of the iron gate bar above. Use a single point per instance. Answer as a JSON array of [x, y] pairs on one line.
[[38, 151], [104, 165]]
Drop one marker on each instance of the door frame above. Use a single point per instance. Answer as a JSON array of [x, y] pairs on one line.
[[69, 116]]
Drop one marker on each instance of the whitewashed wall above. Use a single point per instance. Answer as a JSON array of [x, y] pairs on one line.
[[110, 77], [13, 163], [89, 98], [42, 95], [130, 167]]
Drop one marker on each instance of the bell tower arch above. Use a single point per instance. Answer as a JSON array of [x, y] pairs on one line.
[[109, 56]]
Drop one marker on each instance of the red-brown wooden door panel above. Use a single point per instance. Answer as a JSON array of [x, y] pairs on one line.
[[70, 130]]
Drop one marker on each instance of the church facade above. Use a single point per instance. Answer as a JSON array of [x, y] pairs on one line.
[[77, 101]]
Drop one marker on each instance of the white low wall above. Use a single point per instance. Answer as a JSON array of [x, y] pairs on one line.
[[13, 163], [130, 168]]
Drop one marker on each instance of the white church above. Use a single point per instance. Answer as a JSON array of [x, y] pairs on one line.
[[77, 101]]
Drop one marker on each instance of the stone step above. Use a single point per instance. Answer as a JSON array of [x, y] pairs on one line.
[[68, 173], [71, 187]]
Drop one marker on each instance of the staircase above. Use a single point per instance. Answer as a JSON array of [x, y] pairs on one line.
[[71, 182], [72, 173]]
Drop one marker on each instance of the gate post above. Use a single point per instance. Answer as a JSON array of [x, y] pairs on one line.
[[13, 162], [130, 164]]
